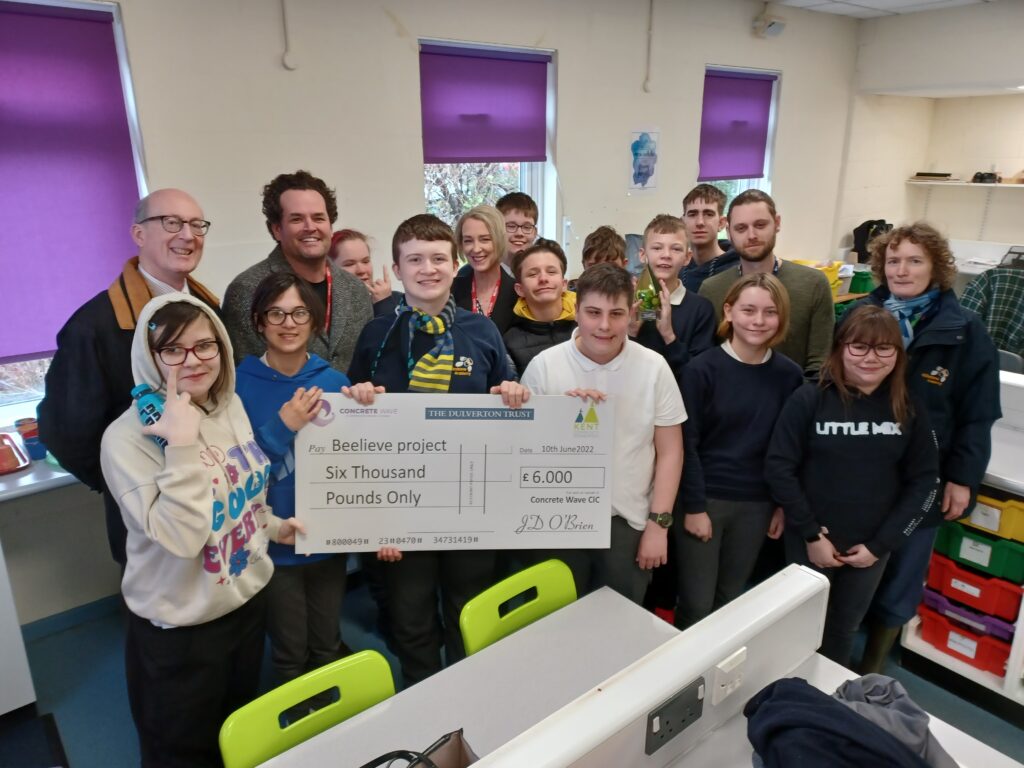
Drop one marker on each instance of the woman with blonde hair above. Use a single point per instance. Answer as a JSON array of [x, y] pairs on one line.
[[488, 288]]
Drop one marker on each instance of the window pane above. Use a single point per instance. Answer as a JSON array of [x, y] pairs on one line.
[[451, 189], [22, 382]]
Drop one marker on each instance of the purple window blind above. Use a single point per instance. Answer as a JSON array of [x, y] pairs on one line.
[[482, 106], [734, 125], [69, 184]]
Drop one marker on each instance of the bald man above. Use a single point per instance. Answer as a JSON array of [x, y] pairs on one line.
[[90, 380]]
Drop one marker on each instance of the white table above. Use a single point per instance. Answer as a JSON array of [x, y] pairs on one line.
[[501, 691], [508, 687]]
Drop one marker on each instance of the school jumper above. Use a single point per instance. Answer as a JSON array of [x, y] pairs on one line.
[[732, 409], [304, 596], [198, 528], [693, 322]]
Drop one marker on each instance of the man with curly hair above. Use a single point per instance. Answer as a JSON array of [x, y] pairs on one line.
[[300, 210]]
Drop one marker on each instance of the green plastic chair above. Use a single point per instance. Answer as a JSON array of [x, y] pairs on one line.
[[482, 621], [254, 734]]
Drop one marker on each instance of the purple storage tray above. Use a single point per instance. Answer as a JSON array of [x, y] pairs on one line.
[[979, 622]]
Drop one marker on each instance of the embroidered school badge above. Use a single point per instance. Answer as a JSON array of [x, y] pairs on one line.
[[937, 376], [463, 367]]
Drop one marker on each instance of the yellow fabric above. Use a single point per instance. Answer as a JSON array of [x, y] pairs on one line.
[[568, 308]]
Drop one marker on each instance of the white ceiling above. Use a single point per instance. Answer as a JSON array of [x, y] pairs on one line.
[[869, 9]]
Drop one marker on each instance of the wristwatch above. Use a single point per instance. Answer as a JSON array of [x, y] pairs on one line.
[[664, 519]]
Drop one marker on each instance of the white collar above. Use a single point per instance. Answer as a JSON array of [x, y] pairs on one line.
[[727, 348], [676, 297], [158, 287]]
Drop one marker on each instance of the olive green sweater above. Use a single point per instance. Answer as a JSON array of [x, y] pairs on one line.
[[811, 316]]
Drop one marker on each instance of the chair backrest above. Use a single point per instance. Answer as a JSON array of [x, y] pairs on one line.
[[481, 620], [1010, 361], [254, 734]]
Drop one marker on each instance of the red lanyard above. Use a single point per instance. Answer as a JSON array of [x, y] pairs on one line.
[[327, 314], [490, 305]]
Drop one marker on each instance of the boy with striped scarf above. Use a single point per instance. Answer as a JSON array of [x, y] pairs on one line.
[[430, 345]]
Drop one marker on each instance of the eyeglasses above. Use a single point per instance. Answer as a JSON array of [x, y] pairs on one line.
[[859, 349], [174, 224], [204, 350], [299, 316], [527, 229]]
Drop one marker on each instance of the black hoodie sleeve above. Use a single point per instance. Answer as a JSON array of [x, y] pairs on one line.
[[786, 453], [920, 485]]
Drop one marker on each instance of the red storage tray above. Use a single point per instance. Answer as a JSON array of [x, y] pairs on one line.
[[984, 593], [985, 653]]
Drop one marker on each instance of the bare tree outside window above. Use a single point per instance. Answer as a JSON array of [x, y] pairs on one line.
[[451, 189], [22, 382]]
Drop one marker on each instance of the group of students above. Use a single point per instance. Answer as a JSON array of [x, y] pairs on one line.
[[906, 397]]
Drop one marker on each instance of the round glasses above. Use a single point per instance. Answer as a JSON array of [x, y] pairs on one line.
[[859, 349], [526, 229], [176, 355], [299, 316], [175, 224]]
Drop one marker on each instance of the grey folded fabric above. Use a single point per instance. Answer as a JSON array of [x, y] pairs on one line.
[[885, 702]]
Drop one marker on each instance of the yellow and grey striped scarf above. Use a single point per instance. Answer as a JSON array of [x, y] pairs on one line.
[[433, 371]]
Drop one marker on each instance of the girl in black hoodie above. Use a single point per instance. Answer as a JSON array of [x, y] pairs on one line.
[[854, 465]]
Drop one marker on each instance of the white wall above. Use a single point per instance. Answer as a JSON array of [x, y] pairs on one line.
[[220, 116], [888, 143], [970, 49]]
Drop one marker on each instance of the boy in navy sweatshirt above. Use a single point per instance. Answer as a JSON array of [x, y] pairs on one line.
[[430, 345], [686, 325]]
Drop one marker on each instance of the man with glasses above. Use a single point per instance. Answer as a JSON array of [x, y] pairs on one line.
[[90, 380], [300, 210]]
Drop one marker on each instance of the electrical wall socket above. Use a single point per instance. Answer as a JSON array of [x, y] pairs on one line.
[[673, 716], [727, 676]]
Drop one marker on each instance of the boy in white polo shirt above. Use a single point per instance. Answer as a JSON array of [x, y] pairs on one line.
[[597, 362]]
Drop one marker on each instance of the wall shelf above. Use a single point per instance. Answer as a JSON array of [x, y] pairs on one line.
[[988, 187]]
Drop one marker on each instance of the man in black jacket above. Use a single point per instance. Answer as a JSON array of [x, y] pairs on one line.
[[90, 380]]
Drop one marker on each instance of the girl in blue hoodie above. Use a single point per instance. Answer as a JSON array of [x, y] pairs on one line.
[[281, 393]]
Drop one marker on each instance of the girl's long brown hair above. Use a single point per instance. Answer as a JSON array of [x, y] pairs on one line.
[[869, 324]]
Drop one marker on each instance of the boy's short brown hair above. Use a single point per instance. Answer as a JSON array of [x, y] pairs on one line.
[[422, 226], [609, 280], [664, 224], [519, 201], [602, 245], [541, 246], [707, 193]]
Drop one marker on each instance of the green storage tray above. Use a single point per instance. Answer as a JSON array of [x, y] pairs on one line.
[[998, 557]]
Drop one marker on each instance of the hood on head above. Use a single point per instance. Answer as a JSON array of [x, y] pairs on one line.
[[144, 369]]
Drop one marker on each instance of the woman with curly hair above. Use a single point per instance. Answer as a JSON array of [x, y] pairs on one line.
[[953, 369]]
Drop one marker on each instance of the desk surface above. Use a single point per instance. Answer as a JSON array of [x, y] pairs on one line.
[[501, 691], [728, 745]]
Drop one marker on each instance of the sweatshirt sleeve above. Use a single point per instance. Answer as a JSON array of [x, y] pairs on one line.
[[692, 340], [787, 452], [920, 484], [692, 492], [168, 499], [275, 438]]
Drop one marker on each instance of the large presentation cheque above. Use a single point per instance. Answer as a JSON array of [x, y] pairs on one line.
[[454, 472]]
